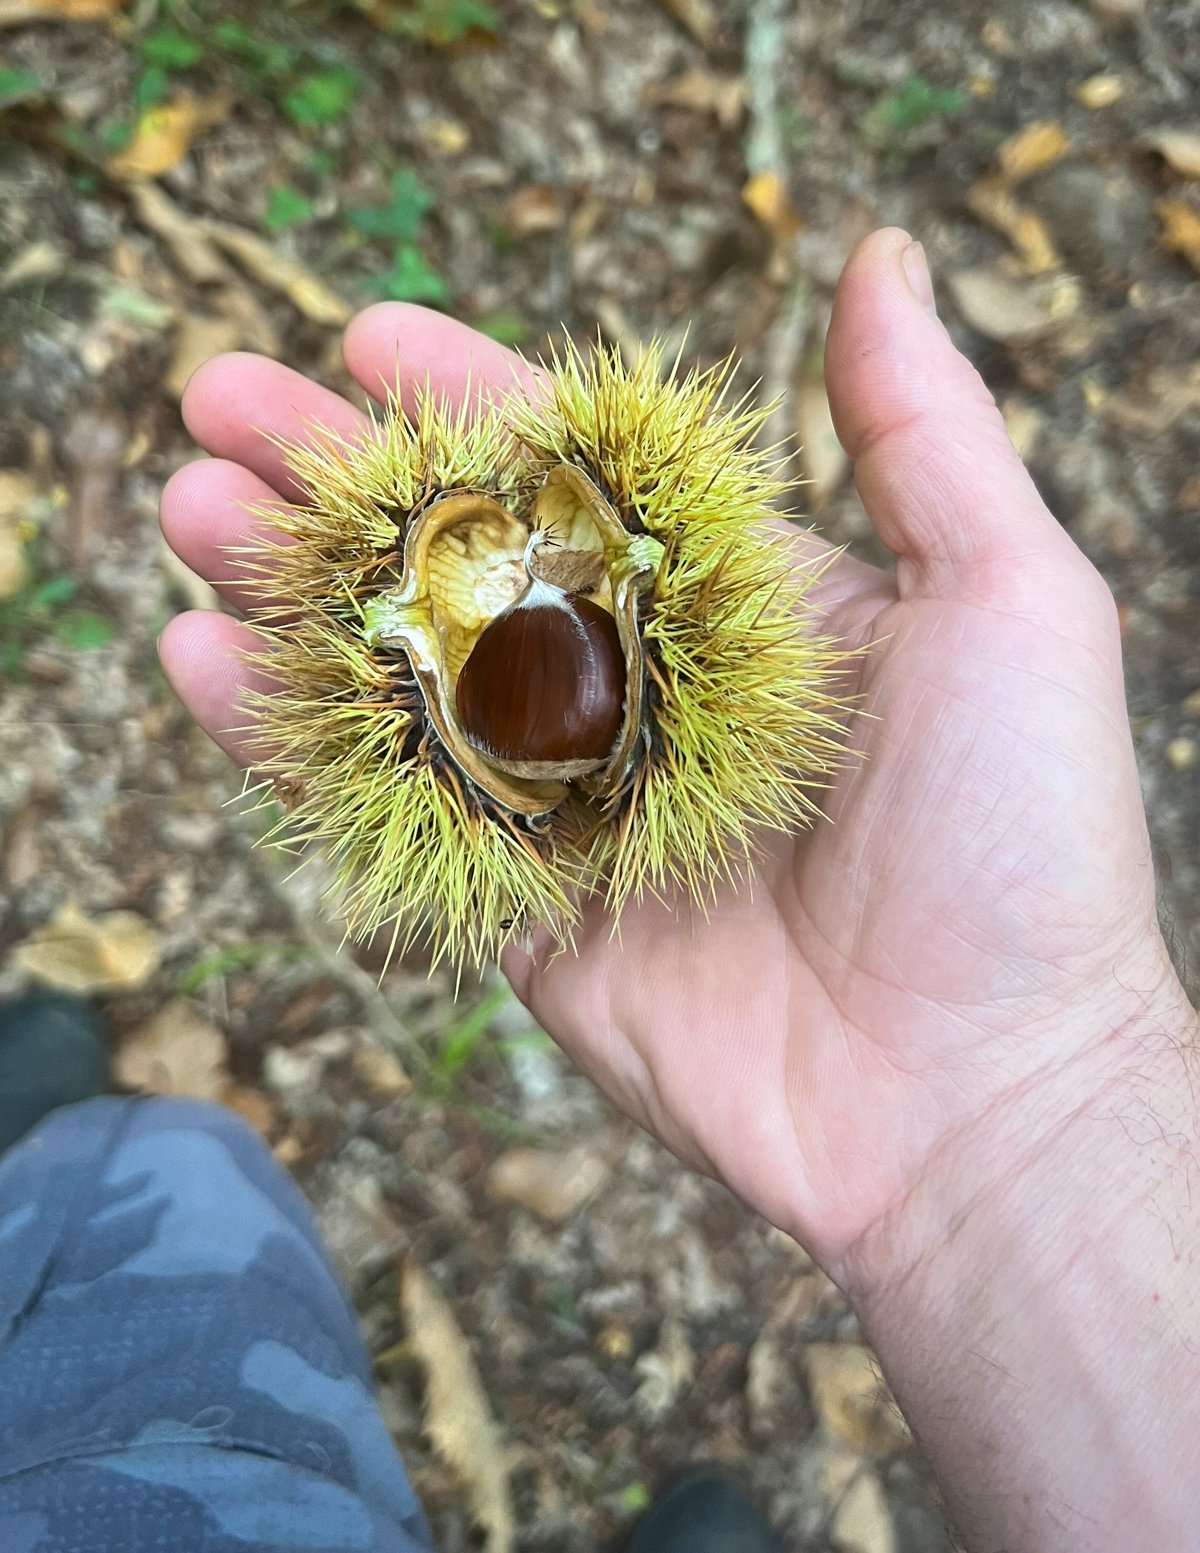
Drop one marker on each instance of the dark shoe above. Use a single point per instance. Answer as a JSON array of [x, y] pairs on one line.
[[52, 1052], [704, 1512]]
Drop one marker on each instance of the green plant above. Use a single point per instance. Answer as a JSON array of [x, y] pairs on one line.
[[239, 957], [461, 1043], [442, 22], [38, 610], [286, 207], [322, 96], [505, 326], [400, 219], [16, 85], [897, 115]]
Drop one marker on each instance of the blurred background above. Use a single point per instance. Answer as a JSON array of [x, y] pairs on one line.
[[180, 178]]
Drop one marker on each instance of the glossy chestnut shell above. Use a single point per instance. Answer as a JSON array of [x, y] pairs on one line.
[[545, 682]]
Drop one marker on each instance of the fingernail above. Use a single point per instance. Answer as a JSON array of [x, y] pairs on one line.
[[916, 272]]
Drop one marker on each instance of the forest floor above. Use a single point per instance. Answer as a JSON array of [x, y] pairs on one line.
[[178, 179]]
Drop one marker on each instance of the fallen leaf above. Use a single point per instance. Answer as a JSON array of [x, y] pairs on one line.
[[851, 1398], [164, 136], [16, 13], [252, 1106], [767, 1375], [199, 339], [826, 461], [381, 1070], [449, 136], [1003, 307], [550, 1184], [1183, 753], [1024, 425], [36, 263], [17, 491], [664, 1371], [1100, 91], [767, 196], [993, 201], [533, 209], [697, 16], [77, 953], [1180, 229], [458, 1416], [862, 1522], [183, 234], [703, 91], [306, 291], [1179, 148], [1032, 150], [175, 1053]]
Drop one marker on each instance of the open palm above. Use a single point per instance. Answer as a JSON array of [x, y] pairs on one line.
[[981, 903]]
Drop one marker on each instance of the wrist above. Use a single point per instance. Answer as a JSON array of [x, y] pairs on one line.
[[1036, 1302]]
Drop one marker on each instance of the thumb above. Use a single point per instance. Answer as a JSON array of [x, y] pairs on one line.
[[941, 482]]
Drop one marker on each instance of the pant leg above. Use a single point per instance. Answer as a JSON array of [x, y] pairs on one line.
[[179, 1369]]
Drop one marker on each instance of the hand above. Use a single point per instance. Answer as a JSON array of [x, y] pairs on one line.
[[976, 918]]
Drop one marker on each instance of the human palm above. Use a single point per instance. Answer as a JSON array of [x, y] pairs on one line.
[[979, 900]]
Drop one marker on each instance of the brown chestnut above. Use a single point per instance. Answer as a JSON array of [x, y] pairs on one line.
[[545, 682]]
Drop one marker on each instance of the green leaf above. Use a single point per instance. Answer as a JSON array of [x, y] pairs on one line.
[[152, 85], [401, 217], [461, 1042], [54, 591], [239, 957], [264, 55], [443, 22], [286, 207], [917, 103], [635, 1498], [20, 83], [83, 629], [411, 279], [322, 162], [169, 49], [322, 96]]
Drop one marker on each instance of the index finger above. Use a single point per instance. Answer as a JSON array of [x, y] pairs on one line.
[[397, 344]]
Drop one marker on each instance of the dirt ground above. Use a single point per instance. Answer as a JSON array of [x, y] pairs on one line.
[[178, 179]]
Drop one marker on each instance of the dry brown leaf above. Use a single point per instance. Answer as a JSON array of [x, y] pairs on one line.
[[449, 136], [1179, 148], [200, 338], [1024, 425], [766, 194], [697, 16], [164, 136], [17, 491], [862, 1522], [36, 263], [550, 1184], [1032, 150], [825, 459], [851, 1398], [77, 953], [703, 91], [175, 1053], [1003, 307], [381, 1070], [533, 209], [184, 235], [993, 201], [458, 1416], [252, 1106], [1100, 91], [1180, 229], [665, 1370], [16, 13], [306, 291]]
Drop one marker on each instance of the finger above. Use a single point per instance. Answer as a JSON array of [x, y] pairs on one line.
[[396, 344], [942, 483], [205, 515], [234, 405], [203, 656]]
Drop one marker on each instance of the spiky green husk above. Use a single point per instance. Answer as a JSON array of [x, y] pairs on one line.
[[742, 690]]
